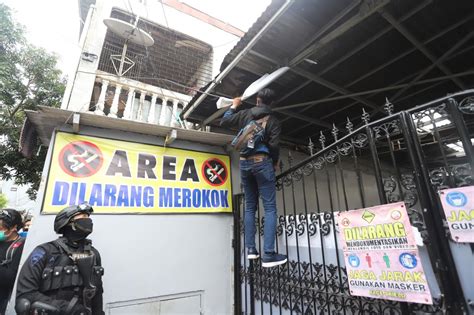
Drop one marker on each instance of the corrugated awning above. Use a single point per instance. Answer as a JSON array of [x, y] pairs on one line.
[[349, 55]]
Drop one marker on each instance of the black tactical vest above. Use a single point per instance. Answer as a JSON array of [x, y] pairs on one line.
[[61, 272]]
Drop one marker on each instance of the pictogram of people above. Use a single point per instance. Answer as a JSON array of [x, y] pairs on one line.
[[387, 260], [369, 260]]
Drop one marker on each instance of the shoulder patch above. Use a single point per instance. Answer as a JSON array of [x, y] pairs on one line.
[[36, 256]]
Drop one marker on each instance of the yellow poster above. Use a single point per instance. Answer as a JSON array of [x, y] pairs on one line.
[[127, 177]]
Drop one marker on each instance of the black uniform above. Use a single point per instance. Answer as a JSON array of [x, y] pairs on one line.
[[10, 255], [51, 276]]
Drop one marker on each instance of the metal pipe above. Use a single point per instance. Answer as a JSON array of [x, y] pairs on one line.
[[82, 43], [308, 235], [252, 286], [368, 42], [411, 38], [437, 63], [439, 100], [341, 29], [187, 111], [387, 88], [122, 58]]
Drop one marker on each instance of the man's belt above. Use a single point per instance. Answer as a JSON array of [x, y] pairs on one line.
[[255, 158]]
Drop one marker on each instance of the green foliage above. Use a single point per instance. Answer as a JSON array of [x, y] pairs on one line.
[[28, 78], [3, 201]]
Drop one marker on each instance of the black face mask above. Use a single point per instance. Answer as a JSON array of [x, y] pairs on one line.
[[79, 229]]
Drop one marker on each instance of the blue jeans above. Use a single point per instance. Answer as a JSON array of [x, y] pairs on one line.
[[258, 179]]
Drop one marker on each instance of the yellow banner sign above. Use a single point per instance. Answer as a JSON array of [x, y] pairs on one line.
[[126, 177]]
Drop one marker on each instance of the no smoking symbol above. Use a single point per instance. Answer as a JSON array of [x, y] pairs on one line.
[[80, 159], [214, 172]]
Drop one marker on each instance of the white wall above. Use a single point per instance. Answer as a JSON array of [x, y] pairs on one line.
[[151, 256]]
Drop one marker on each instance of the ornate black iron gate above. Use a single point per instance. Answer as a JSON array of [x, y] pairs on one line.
[[405, 156]]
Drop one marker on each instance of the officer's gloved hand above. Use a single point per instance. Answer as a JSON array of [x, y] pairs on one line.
[[22, 306], [44, 308], [80, 310]]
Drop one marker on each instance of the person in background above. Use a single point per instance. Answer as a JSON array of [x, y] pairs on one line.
[[259, 160], [27, 221], [11, 247]]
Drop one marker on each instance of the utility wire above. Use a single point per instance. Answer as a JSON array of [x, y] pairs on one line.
[[164, 13]]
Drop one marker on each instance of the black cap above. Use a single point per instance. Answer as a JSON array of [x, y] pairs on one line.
[[10, 218]]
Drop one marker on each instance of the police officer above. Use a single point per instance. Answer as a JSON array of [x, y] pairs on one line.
[[63, 276]]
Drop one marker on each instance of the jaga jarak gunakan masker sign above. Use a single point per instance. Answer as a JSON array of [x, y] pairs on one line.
[[127, 177], [381, 254], [458, 205]]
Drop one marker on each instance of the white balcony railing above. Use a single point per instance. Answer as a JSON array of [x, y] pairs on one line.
[[120, 97]]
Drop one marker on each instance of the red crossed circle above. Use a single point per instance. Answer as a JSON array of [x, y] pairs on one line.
[[81, 159], [214, 171]]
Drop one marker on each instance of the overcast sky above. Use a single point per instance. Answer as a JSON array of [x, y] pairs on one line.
[[54, 24]]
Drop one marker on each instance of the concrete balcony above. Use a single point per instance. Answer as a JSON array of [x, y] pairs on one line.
[[120, 97]]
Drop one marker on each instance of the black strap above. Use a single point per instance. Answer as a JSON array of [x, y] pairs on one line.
[[88, 246], [60, 242], [11, 250], [73, 301], [249, 131], [263, 121]]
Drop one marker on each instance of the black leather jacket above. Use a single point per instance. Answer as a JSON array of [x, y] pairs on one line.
[[241, 118]]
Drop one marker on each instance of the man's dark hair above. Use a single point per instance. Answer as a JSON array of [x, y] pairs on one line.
[[11, 219], [267, 96]]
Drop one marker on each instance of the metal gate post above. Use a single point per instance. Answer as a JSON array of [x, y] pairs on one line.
[[433, 219], [379, 180], [376, 163]]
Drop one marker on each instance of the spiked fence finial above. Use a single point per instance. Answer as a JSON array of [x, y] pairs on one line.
[[334, 131], [349, 125], [290, 158], [388, 107], [310, 146], [365, 116], [322, 139]]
